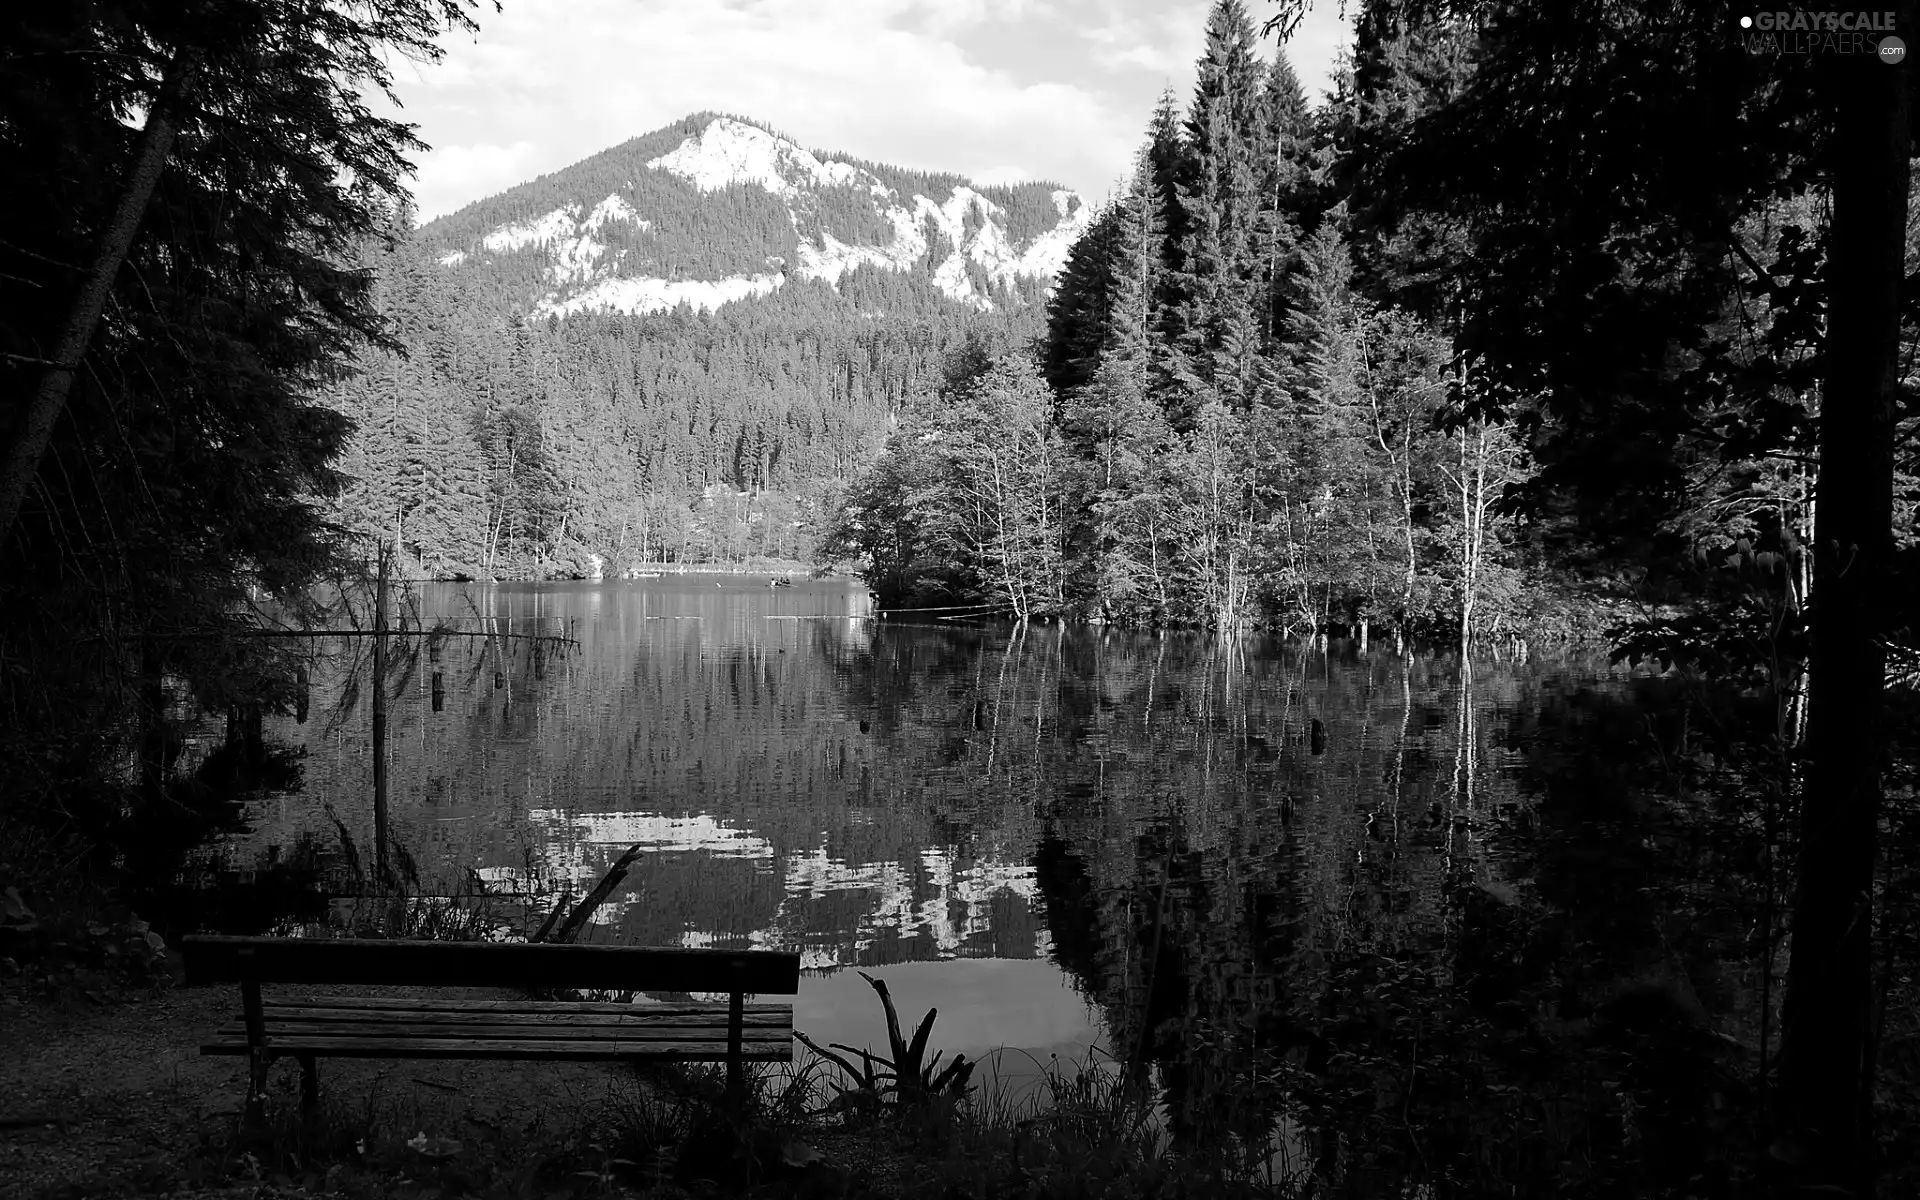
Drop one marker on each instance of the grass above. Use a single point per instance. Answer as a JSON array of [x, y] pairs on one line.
[[905, 1122], [397, 1143], [1087, 1130], [921, 1132]]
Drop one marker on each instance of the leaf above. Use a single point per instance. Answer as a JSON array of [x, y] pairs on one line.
[[955, 1077], [894, 1040], [919, 1046], [829, 1055]]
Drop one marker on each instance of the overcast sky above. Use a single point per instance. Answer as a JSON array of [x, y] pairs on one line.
[[999, 90]]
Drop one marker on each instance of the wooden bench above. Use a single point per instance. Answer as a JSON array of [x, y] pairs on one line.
[[308, 1028]]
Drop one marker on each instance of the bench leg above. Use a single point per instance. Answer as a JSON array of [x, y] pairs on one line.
[[309, 1084], [736, 1064], [256, 1114]]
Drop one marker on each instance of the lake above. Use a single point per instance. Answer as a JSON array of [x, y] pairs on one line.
[[1182, 850]]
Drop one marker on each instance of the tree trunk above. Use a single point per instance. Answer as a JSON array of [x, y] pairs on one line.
[[49, 399], [1824, 1104], [380, 724], [153, 721]]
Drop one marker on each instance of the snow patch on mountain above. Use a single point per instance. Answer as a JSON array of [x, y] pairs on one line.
[[1047, 254], [562, 225], [658, 295], [728, 152], [614, 208], [828, 258], [540, 231], [566, 233], [584, 274], [951, 277], [833, 258]]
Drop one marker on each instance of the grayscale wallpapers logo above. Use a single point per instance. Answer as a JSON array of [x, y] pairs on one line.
[[1804, 32]]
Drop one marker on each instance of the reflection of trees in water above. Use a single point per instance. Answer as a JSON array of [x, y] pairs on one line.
[[1440, 977], [1290, 880]]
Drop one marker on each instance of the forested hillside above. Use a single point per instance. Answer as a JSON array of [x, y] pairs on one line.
[[624, 363], [1241, 411], [1274, 386]]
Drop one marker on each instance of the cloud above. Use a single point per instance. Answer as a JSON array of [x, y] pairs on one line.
[[1165, 42], [549, 82], [451, 176], [1316, 45]]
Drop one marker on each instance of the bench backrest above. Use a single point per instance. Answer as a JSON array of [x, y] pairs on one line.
[[487, 964]]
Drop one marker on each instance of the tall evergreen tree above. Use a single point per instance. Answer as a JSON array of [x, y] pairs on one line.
[[1409, 58], [178, 482], [1220, 200], [1116, 421], [1081, 306], [1287, 186]]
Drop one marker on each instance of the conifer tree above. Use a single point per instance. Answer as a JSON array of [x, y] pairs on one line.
[[1117, 422], [1287, 149], [1220, 199], [1081, 307]]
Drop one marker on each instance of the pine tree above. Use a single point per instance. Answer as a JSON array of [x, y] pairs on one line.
[[1409, 60], [179, 482], [1081, 307], [1118, 425], [1287, 186]]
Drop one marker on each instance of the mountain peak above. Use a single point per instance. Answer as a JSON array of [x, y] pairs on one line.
[[732, 151], [716, 209]]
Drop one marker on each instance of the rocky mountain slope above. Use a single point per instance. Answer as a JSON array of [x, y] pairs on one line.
[[716, 209]]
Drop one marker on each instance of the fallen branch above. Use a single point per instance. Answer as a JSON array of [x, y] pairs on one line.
[[553, 917], [570, 928]]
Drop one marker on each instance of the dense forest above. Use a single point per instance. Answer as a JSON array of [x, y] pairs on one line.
[[1246, 406], [508, 435], [1267, 390], [497, 446]]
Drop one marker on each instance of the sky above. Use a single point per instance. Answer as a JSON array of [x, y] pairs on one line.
[[1000, 91]]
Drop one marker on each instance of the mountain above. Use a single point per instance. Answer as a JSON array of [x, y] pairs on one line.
[[679, 349], [716, 209]]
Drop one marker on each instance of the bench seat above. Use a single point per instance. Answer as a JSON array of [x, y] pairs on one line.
[[309, 1028], [369, 1027]]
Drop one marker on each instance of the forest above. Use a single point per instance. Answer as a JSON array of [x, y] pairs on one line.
[[493, 442], [501, 446], [1293, 376], [1585, 319]]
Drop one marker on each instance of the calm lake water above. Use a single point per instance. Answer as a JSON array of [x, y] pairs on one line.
[[1062, 836]]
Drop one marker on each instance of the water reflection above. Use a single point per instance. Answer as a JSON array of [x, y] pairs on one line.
[[1209, 857]]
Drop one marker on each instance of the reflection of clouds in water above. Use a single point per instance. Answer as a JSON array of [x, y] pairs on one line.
[[985, 1006], [569, 835], [946, 901]]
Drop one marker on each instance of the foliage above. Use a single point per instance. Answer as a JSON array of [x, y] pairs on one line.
[[969, 500], [499, 447], [909, 1080], [1252, 439], [177, 497]]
